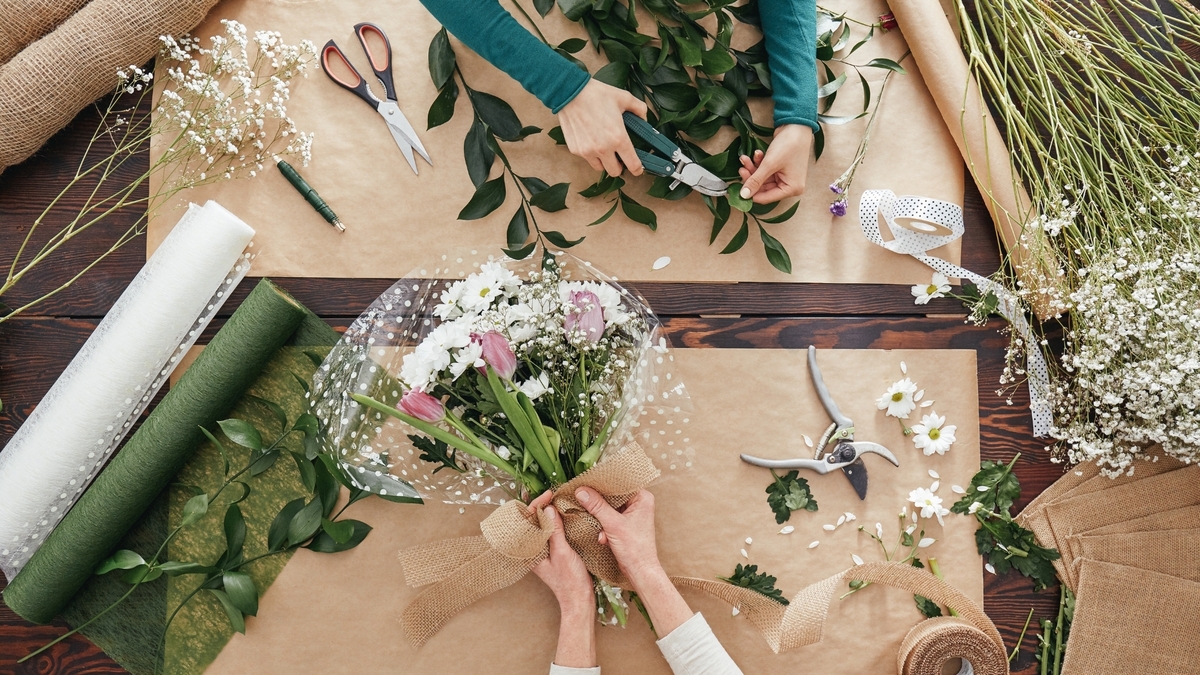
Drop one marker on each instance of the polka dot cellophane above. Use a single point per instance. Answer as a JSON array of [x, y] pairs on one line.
[[368, 358]]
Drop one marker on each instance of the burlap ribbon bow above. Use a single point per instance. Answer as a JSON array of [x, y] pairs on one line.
[[461, 571]]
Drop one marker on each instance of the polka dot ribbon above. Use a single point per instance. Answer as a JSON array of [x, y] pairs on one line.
[[939, 216]]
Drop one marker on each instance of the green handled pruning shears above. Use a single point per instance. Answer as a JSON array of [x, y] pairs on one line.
[[675, 165]]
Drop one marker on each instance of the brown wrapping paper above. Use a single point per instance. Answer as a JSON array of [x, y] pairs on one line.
[[395, 218], [744, 400], [1129, 620]]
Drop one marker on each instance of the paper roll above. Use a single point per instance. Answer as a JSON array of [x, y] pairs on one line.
[[83, 418], [128, 485]]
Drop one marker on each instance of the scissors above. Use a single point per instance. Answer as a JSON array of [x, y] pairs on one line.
[[847, 453], [381, 63], [675, 165]]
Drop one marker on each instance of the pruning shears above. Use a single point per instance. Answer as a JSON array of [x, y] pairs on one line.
[[675, 165], [846, 454]]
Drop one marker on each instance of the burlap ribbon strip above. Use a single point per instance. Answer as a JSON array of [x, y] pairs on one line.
[[462, 571]]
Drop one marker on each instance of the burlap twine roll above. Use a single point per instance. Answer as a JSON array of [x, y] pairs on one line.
[[462, 571], [24, 21], [45, 85]]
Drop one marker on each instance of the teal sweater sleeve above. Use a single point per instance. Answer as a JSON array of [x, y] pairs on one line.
[[790, 29], [490, 31]]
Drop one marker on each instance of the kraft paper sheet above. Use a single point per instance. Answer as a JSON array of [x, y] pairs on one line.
[[395, 218], [341, 613]]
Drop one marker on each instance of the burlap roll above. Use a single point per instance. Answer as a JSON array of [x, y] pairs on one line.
[[23, 21], [933, 642], [44, 86], [1132, 621], [1173, 552]]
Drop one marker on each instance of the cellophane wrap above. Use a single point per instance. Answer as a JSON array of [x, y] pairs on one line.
[[654, 404]]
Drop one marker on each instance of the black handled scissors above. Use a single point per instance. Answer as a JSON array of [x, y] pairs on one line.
[[381, 64], [676, 164]]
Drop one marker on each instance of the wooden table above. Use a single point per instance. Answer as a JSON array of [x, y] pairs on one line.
[[36, 347]]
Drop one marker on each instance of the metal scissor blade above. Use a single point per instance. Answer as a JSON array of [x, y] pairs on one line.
[[819, 465], [857, 474], [701, 180], [396, 119], [823, 392]]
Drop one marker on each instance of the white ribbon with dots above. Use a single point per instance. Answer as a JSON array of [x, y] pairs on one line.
[[885, 203]]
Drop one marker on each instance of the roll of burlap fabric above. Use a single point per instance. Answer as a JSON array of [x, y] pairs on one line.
[[47, 83], [23, 21], [1129, 620]]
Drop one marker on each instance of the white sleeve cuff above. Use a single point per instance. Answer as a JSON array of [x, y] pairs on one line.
[[556, 669], [692, 649]]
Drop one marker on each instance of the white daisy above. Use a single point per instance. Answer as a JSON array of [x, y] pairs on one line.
[[535, 386], [933, 434], [929, 504], [938, 287], [898, 401], [470, 356]]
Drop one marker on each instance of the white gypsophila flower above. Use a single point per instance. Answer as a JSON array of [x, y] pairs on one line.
[[933, 435], [930, 505], [898, 401], [938, 287]]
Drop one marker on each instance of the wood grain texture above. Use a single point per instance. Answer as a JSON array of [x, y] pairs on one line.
[[34, 349]]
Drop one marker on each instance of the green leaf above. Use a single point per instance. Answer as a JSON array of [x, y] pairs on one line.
[[661, 189], [235, 533], [557, 134], [306, 522], [776, 253], [308, 475], [277, 411], [786, 215], [442, 108], [559, 240], [739, 240], [734, 194], [572, 45], [826, 119], [520, 253], [615, 51], [789, 493], [497, 114], [720, 213], [716, 61], [220, 448], [120, 560], [719, 101], [323, 543], [518, 229], [239, 587], [327, 489], [606, 216], [831, 86], [477, 153], [142, 574], [486, 199], [441, 59], [760, 582], [534, 184], [241, 432], [615, 74], [379, 482], [308, 424], [886, 64], [928, 607], [636, 212], [277, 535], [302, 381], [340, 530], [245, 491], [676, 96], [264, 461], [574, 9], [690, 53], [194, 509], [1000, 488], [553, 198], [236, 620], [175, 569], [436, 451]]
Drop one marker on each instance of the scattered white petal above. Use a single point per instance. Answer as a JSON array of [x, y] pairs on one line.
[[745, 555], [926, 404], [1078, 473], [981, 488], [662, 262], [936, 484], [919, 395], [913, 515], [926, 542], [814, 544], [829, 528], [841, 520], [879, 529], [910, 529], [736, 611], [958, 490], [749, 541], [903, 367], [850, 516], [933, 474], [787, 529], [807, 440], [462, 510], [857, 560], [988, 567]]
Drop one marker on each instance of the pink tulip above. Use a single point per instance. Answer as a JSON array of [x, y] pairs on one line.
[[589, 318], [422, 406], [498, 355]]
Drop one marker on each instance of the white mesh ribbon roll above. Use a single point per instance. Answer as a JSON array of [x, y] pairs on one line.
[[935, 214], [130, 355]]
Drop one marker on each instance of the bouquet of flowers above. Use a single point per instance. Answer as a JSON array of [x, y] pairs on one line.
[[515, 379]]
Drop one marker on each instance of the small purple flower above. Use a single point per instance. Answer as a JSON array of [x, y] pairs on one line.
[[836, 189], [838, 208]]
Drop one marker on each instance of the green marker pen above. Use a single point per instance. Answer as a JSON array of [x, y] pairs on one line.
[[310, 195]]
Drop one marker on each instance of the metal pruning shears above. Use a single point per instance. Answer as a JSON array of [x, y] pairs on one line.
[[380, 58], [847, 453], [676, 164]]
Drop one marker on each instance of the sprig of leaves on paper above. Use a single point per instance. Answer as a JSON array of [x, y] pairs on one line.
[[1001, 540], [759, 582], [789, 493]]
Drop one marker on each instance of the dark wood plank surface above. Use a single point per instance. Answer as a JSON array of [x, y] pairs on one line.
[[35, 348]]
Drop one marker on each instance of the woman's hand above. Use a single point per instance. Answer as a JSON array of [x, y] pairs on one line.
[[564, 572], [782, 171], [593, 128]]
